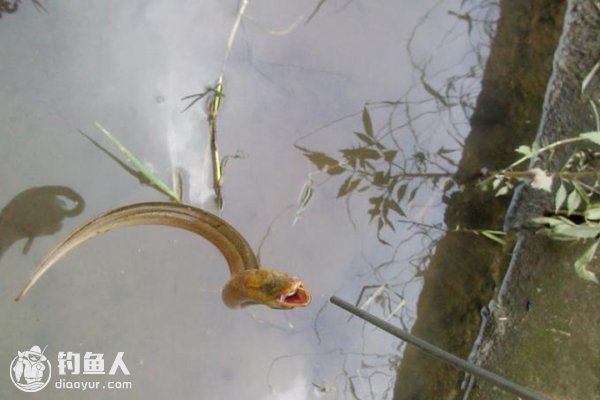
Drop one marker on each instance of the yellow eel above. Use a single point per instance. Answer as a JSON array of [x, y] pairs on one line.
[[249, 284]]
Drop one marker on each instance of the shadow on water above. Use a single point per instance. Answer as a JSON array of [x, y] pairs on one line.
[[37, 212]]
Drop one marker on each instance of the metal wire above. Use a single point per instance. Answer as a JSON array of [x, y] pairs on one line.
[[497, 380]]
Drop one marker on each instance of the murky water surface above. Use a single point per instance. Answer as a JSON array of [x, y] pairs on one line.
[[298, 79]]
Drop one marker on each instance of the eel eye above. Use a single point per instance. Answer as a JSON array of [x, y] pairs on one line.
[[269, 287]]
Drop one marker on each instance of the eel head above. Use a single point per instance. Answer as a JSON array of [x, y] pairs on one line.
[[263, 286]]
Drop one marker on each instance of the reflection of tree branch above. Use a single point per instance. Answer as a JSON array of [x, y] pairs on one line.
[[315, 11], [318, 8], [393, 158], [376, 163], [39, 6], [440, 98]]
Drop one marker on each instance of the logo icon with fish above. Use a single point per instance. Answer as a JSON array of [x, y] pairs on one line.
[[30, 370]]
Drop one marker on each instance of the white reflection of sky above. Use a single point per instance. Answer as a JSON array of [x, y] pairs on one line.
[[154, 293]]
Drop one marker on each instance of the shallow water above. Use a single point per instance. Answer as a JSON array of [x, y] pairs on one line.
[[154, 293]]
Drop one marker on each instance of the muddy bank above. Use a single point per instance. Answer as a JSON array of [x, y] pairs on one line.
[[466, 270], [544, 328]]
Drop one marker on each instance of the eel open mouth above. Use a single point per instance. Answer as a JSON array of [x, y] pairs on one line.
[[298, 296]]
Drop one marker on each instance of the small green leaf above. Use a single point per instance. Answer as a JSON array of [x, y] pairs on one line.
[[365, 164], [443, 150], [360, 153], [367, 139], [573, 201], [495, 236], [547, 221], [412, 194], [370, 154], [502, 191], [375, 201], [385, 214], [335, 170], [560, 197], [303, 199], [420, 157], [305, 194], [348, 186], [401, 191], [395, 207], [591, 136], [434, 93], [582, 193], [525, 150], [593, 212], [366, 118], [381, 179], [496, 182], [577, 231], [321, 160], [582, 262], [375, 210], [381, 240], [389, 155]]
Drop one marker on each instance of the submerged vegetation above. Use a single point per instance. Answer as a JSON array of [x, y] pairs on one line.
[[213, 96], [213, 101]]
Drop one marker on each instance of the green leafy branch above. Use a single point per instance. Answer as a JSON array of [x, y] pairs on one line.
[[561, 228], [578, 181], [574, 171]]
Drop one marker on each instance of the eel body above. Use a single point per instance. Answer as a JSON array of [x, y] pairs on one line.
[[248, 284]]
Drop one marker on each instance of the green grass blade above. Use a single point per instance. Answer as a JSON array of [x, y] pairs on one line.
[[495, 236], [138, 164]]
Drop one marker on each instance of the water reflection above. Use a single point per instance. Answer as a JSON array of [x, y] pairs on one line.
[[127, 53], [417, 139], [404, 160], [389, 168], [38, 211]]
